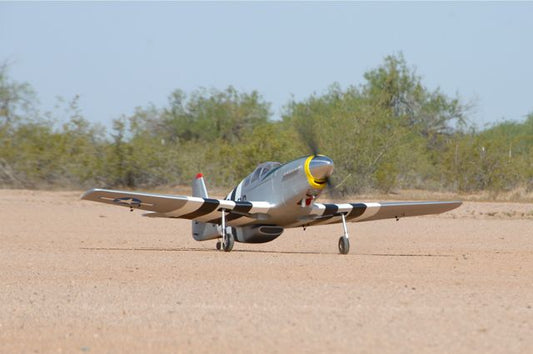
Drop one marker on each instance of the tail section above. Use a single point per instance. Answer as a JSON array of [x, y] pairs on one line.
[[198, 187], [202, 231]]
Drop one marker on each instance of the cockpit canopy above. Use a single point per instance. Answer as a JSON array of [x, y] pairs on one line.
[[261, 172]]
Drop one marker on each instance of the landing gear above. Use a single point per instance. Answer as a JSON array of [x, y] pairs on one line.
[[344, 245], [227, 238], [227, 244], [344, 241]]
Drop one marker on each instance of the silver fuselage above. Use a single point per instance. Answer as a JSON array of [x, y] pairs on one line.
[[290, 187]]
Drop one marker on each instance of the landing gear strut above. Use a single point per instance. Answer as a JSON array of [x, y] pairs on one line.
[[227, 238], [344, 241]]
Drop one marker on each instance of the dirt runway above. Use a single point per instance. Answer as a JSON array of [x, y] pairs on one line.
[[77, 276]]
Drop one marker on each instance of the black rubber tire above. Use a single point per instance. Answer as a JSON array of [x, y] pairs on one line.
[[219, 245], [344, 245], [227, 244]]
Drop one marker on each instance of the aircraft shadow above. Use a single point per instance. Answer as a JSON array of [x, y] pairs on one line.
[[193, 250], [153, 249], [404, 255]]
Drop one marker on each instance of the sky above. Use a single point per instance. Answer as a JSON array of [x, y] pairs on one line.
[[120, 55]]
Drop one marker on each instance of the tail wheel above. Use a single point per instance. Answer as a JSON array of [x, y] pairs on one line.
[[344, 245], [219, 245]]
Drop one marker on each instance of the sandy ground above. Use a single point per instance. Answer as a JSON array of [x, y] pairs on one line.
[[77, 276]]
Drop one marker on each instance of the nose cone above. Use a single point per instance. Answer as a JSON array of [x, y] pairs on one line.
[[318, 169], [321, 167]]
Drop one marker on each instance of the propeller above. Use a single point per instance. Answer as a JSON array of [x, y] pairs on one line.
[[308, 135], [331, 188]]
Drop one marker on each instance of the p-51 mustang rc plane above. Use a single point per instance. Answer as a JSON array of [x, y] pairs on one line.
[[272, 198]]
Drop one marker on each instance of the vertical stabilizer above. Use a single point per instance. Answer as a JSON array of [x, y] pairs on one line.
[[198, 187], [200, 230]]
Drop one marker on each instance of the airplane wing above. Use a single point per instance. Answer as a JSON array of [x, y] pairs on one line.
[[356, 212], [184, 207]]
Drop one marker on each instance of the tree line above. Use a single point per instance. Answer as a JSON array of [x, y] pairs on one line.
[[389, 132]]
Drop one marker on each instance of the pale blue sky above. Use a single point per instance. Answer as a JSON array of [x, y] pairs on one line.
[[120, 55]]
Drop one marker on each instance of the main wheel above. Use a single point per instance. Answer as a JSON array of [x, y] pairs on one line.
[[227, 244], [219, 245], [344, 245]]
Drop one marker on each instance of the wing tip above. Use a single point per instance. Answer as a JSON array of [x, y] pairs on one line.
[[457, 203], [86, 194], [199, 175]]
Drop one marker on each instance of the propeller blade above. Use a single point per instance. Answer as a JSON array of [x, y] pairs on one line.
[[308, 136]]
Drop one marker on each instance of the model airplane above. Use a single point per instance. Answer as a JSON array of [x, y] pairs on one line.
[[272, 198]]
